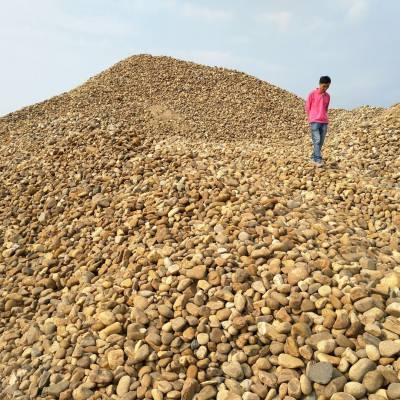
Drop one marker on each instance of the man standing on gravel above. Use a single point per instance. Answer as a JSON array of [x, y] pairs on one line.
[[317, 111]]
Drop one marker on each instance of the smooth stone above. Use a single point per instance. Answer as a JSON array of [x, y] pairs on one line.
[[389, 348], [250, 396], [115, 358], [288, 361], [372, 352], [356, 389], [360, 368], [190, 388], [320, 372], [206, 393], [233, 369], [342, 396], [228, 395], [198, 272], [243, 236], [297, 274], [106, 317], [393, 309], [326, 346], [142, 353], [82, 393], [373, 380], [56, 388], [393, 391], [101, 376]]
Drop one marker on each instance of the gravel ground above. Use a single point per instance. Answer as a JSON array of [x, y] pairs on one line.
[[163, 235]]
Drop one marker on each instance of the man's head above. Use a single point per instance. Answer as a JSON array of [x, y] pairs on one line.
[[324, 83]]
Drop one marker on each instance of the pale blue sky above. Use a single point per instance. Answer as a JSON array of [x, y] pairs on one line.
[[50, 46]]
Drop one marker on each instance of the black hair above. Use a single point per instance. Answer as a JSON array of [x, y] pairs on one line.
[[324, 79]]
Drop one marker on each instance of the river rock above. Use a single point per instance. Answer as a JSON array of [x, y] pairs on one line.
[[360, 368]]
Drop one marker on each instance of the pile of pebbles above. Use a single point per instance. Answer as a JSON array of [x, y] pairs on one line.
[[163, 236]]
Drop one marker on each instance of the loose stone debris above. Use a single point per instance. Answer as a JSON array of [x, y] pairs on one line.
[[164, 236]]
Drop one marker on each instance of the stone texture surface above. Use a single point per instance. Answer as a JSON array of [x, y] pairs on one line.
[[320, 372], [163, 235]]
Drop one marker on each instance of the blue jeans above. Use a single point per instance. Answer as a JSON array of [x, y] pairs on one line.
[[318, 133]]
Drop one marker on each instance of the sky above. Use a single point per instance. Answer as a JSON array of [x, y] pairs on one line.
[[51, 46]]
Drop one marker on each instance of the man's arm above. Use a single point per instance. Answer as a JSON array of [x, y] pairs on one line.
[[327, 104], [308, 103]]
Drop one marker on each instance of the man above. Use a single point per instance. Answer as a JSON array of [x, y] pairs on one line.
[[317, 111]]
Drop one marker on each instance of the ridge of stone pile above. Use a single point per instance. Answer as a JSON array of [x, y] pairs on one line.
[[164, 236], [186, 96]]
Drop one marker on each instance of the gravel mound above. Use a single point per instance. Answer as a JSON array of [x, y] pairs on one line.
[[164, 236]]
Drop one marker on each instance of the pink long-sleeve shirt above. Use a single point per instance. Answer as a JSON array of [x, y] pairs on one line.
[[317, 106]]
